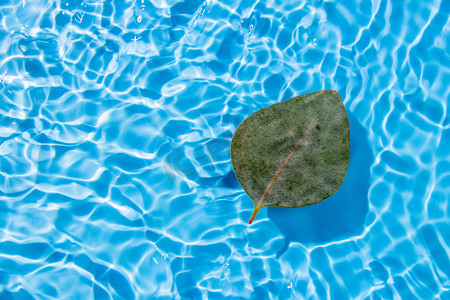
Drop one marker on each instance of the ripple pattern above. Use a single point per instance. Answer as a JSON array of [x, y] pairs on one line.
[[115, 128]]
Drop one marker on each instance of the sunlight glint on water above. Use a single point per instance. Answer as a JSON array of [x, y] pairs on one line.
[[116, 123]]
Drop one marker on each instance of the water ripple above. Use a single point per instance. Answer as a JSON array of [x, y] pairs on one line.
[[115, 128]]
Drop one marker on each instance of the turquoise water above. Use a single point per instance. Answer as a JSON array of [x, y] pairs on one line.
[[116, 123]]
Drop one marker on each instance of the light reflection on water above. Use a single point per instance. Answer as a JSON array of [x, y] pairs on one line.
[[116, 122]]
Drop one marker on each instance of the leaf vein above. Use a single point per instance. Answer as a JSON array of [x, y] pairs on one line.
[[311, 125]]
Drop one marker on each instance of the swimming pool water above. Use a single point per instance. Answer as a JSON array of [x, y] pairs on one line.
[[116, 123]]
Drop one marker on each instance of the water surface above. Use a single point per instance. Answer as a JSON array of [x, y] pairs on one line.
[[116, 123]]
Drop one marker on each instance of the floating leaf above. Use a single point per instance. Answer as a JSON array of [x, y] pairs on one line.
[[294, 153]]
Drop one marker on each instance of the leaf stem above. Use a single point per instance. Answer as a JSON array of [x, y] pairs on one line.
[[255, 212]]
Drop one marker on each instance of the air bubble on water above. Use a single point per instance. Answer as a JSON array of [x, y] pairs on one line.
[[315, 42], [224, 267], [139, 19]]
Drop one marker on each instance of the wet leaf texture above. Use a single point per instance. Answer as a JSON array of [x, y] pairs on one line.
[[294, 153]]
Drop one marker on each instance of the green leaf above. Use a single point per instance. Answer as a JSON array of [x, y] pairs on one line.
[[294, 153]]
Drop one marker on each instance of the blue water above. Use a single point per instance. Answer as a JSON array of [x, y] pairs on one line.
[[116, 124]]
